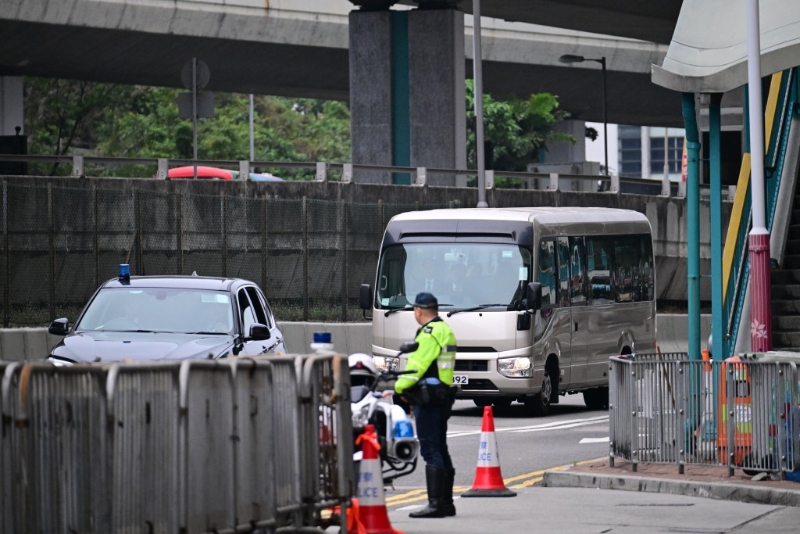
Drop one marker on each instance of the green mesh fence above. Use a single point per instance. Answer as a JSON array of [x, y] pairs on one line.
[[60, 243]]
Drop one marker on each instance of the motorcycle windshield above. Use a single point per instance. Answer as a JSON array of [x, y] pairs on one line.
[[357, 393]]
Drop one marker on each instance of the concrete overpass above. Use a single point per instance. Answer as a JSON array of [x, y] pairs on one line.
[[300, 48]]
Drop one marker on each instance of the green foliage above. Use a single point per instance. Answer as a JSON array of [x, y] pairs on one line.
[[76, 117], [62, 116], [71, 117], [514, 130]]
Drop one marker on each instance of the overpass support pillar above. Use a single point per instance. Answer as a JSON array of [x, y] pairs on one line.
[[11, 110], [407, 98]]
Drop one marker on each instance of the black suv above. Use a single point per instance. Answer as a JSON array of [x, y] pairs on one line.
[[169, 318]]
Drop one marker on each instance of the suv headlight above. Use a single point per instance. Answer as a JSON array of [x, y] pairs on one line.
[[514, 367], [386, 363]]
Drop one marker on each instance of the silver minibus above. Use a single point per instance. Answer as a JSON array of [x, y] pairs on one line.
[[538, 298]]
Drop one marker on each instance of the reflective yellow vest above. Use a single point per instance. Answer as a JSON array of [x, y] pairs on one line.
[[437, 346]]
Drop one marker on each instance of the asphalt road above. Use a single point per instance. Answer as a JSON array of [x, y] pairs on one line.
[[526, 444]]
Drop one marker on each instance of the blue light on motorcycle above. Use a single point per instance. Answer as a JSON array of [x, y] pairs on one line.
[[403, 429]]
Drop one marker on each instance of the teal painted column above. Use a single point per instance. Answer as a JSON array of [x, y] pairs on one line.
[[401, 127], [718, 315], [693, 233]]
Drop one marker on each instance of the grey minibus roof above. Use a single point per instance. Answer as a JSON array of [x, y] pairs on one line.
[[510, 225], [544, 215]]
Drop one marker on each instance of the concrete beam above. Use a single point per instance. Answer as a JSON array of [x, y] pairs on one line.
[[300, 49]]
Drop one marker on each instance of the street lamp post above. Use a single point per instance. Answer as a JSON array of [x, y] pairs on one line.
[[570, 58]]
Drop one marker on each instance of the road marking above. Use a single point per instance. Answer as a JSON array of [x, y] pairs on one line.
[[527, 483], [410, 507], [528, 479], [593, 440], [556, 425]]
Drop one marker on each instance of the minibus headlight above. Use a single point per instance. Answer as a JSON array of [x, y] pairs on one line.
[[514, 367], [386, 363]]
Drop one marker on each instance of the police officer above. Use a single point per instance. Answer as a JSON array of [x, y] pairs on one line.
[[429, 389]]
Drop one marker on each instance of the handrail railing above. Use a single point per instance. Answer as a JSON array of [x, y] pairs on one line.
[[551, 180], [735, 281]]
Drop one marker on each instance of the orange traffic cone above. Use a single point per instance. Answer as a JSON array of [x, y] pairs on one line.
[[372, 513], [354, 526], [488, 479]]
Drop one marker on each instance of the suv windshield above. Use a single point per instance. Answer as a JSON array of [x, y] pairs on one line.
[[465, 275], [159, 310]]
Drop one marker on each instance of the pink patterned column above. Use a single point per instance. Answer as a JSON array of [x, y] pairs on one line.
[[760, 298]]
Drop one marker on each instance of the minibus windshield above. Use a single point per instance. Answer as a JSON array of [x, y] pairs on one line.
[[463, 275]]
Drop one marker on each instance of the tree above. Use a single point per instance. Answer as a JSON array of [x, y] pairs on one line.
[[68, 117], [62, 115], [515, 131]]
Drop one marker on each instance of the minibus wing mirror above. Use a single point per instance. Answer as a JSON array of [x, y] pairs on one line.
[[534, 296], [365, 297]]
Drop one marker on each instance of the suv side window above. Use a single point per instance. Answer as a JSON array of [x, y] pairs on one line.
[[246, 311], [258, 306], [267, 310]]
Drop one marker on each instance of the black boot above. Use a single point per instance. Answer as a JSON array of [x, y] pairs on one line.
[[435, 479], [449, 507]]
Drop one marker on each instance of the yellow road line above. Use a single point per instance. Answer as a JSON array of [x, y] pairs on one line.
[[527, 483], [405, 495], [528, 479]]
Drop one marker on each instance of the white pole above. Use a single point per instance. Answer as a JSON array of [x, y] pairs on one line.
[[755, 117], [252, 141], [758, 240], [477, 68]]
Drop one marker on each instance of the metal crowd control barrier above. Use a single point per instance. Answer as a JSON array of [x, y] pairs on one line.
[[667, 409], [5, 460], [195, 446], [144, 446], [286, 418], [328, 434]]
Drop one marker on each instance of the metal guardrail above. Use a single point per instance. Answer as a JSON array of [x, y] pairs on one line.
[[192, 446], [665, 408], [543, 181]]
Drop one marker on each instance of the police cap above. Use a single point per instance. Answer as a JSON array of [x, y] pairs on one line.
[[426, 301]]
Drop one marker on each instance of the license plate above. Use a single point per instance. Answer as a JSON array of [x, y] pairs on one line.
[[460, 380]]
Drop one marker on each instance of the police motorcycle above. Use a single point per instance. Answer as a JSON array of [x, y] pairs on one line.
[[372, 402]]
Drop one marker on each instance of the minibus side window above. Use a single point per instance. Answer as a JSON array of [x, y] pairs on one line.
[[577, 285], [626, 275], [563, 271], [547, 273], [600, 265]]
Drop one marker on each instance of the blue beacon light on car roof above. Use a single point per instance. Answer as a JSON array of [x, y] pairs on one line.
[[124, 272]]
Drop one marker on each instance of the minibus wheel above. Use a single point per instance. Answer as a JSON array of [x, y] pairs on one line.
[[482, 402], [539, 404]]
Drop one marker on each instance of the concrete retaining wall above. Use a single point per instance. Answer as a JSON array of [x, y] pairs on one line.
[[203, 212], [28, 344]]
